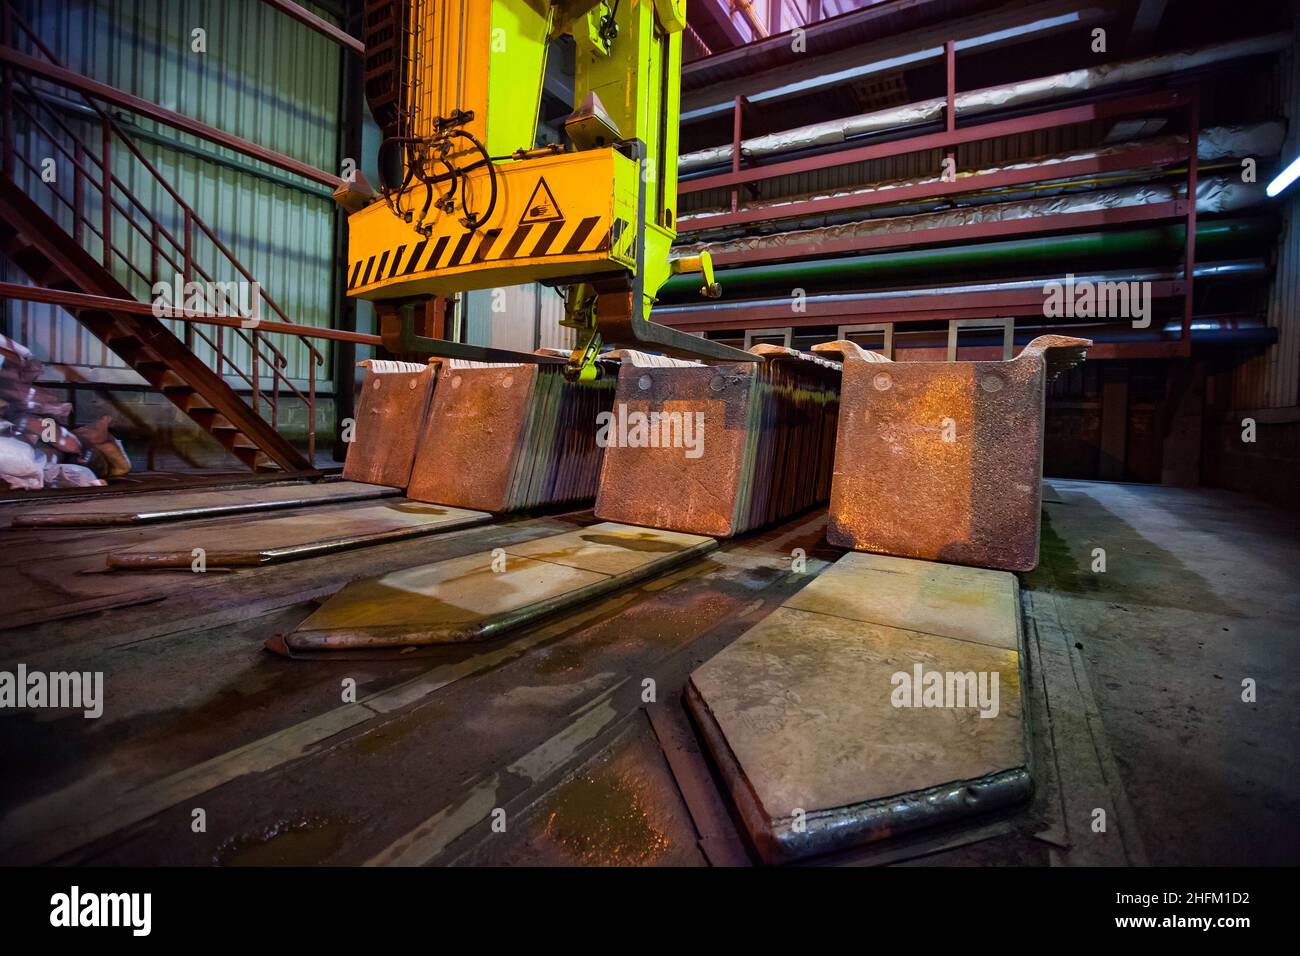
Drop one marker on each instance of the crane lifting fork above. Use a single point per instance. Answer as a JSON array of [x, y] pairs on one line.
[[466, 201]]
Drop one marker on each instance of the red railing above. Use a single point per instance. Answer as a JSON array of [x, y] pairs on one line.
[[242, 353], [1179, 101]]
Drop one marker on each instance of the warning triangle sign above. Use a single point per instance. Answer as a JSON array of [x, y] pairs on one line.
[[542, 206]]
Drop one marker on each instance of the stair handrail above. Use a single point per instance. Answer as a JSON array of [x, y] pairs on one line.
[[274, 359], [277, 362], [195, 218]]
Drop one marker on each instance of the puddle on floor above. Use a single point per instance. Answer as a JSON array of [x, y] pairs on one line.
[[300, 841], [605, 818]]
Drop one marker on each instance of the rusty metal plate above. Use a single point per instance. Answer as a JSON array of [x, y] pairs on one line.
[[964, 603], [293, 537], [394, 400], [509, 437], [759, 449], [801, 715], [479, 596], [471, 436], [943, 460], [160, 506], [661, 487]]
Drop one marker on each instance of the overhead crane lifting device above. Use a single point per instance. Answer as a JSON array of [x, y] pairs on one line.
[[468, 200]]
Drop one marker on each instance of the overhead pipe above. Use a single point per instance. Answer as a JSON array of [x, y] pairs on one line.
[[1213, 195], [751, 18], [970, 34], [1239, 268], [990, 98], [1216, 143], [1024, 253], [1233, 269]]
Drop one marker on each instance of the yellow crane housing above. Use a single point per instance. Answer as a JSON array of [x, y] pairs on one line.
[[467, 200]]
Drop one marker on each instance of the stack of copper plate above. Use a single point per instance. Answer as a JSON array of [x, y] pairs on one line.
[[944, 460], [733, 447], [394, 400], [793, 421], [504, 437]]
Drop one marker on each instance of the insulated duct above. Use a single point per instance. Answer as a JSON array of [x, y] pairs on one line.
[[1217, 143], [1213, 195], [979, 101]]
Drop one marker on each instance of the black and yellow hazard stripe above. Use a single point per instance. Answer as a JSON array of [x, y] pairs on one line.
[[534, 240], [622, 241]]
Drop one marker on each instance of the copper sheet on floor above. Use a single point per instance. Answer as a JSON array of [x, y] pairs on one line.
[[192, 505], [295, 536], [803, 715], [482, 595]]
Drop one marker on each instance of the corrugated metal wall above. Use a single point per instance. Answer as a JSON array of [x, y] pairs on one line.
[[521, 317], [552, 335], [263, 77], [1272, 380]]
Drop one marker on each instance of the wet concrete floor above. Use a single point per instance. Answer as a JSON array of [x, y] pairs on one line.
[[538, 748]]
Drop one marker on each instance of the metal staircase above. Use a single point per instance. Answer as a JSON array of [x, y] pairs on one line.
[[90, 234]]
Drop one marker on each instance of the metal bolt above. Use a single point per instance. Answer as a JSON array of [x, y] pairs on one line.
[[882, 382], [644, 383]]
